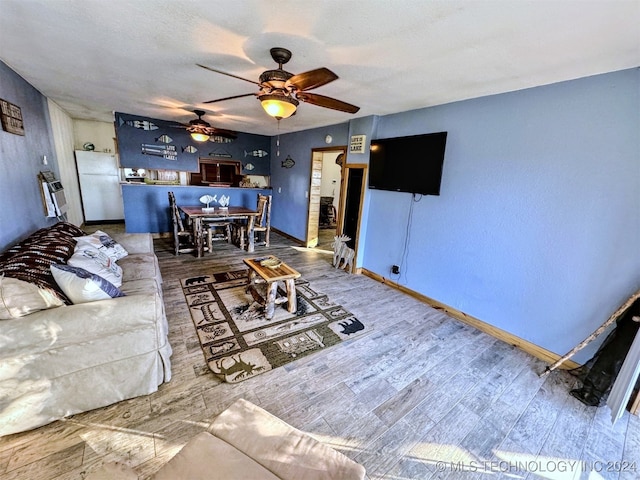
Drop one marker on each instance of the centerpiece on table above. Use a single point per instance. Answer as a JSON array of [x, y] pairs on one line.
[[208, 199], [224, 203]]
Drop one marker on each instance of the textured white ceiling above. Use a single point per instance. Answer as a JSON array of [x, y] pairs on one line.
[[94, 57]]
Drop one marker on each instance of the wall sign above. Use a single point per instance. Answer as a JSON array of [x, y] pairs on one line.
[[357, 143], [168, 152], [11, 116]]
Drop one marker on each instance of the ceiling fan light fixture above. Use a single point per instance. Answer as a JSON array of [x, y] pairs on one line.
[[278, 106], [198, 127], [199, 136]]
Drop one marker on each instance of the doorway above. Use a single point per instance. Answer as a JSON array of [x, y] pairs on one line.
[[324, 196], [349, 200], [352, 204]]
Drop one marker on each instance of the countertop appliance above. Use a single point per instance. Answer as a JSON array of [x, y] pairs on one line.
[[99, 177]]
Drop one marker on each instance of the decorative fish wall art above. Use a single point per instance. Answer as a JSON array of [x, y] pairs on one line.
[[288, 162], [189, 149], [141, 124], [219, 139], [256, 153], [249, 166], [164, 138], [168, 152]]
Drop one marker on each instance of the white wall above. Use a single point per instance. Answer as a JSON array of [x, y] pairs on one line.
[[63, 141], [101, 134], [330, 186]]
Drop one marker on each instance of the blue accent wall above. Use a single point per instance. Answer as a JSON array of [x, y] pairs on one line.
[[363, 126], [146, 207], [131, 139], [290, 208], [537, 228], [21, 210]]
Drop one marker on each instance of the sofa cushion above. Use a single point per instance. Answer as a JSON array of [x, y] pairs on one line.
[[206, 457], [81, 286], [104, 243], [97, 262], [19, 298], [141, 286], [135, 242], [284, 450], [140, 265], [30, 259]]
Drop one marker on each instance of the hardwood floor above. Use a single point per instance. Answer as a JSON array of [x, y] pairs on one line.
[[421, 397]]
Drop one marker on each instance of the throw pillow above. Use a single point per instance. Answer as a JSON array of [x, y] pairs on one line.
[[82, 286], [29, 260], [103, 242], [19, 298], [97, 262]]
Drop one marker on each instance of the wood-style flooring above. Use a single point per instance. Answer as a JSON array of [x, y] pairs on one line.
[[423, 396]]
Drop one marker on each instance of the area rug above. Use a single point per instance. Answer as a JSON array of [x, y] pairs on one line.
[[239, 342]]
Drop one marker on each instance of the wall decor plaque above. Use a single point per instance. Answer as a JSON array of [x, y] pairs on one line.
[[357, 143], [11, 117], [287, 162]]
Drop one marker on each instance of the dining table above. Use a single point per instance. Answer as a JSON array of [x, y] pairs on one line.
[[197, 216]]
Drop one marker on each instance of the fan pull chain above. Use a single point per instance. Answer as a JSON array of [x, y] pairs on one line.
[[278, 140]]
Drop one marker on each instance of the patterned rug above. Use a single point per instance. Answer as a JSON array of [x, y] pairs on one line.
[[239, 342]]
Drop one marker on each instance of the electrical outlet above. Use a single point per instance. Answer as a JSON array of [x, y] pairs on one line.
[[395, 269]]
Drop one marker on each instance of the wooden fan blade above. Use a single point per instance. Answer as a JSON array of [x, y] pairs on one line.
[[230, 98], [227, 74], [312, 79], [326, 102], [223, 133]]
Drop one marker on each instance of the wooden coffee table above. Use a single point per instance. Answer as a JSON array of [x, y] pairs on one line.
[[260, 273]]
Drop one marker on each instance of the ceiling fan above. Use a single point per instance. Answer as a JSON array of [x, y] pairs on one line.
[[202, 130], [281, 91]]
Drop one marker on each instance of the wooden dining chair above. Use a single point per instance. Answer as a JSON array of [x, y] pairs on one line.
[[261, 226], [183, 238], [218, 230]]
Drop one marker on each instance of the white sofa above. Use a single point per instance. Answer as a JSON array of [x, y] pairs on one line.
[[73, 358]]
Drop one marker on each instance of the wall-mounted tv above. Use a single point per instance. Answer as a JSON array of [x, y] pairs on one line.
[[408, 164]]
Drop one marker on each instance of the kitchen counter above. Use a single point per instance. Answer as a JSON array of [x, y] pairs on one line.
[[146, 207]]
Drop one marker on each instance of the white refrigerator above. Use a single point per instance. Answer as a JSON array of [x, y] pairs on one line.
[[100, 190]]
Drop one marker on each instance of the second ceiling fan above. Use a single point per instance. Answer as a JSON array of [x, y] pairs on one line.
[[201, 130], [280, 92]]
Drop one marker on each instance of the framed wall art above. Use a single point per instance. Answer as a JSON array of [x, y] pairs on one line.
[[11, 118], [357, 143]]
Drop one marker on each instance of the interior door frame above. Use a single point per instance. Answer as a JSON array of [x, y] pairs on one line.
[[315, 176], [344, 184]]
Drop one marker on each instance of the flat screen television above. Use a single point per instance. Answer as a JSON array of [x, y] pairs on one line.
[[408, 164]]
